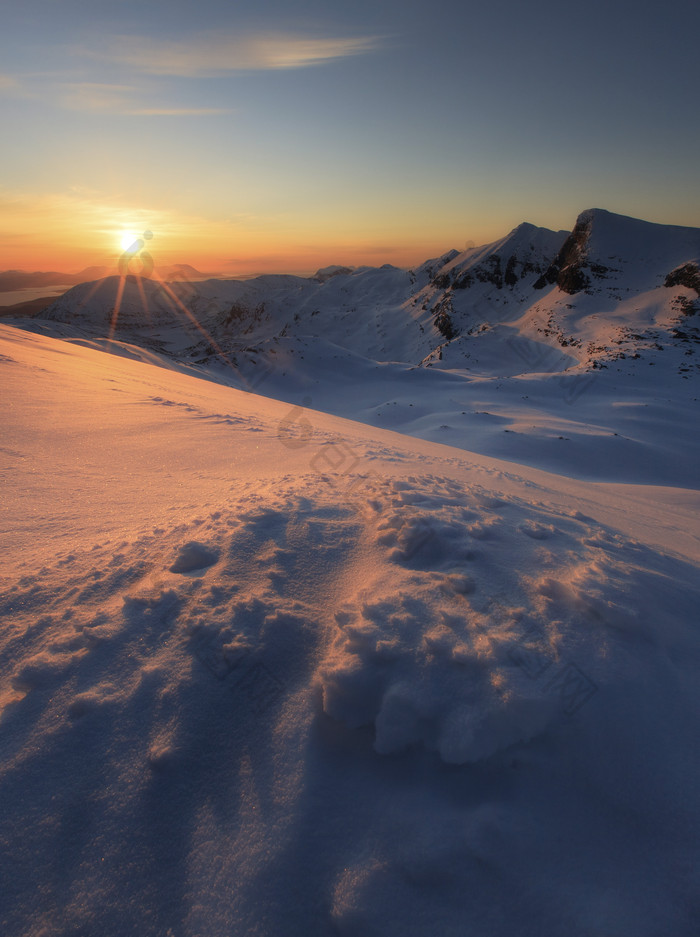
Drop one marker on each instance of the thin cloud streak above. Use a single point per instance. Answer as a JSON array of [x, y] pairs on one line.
[[8, 83], [95, 96], [121, 99], [178, 112], [207, 56]]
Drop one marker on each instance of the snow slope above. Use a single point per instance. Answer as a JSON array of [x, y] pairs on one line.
[[269, 671]]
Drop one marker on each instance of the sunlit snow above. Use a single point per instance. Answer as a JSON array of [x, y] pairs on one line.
[[271, 670]]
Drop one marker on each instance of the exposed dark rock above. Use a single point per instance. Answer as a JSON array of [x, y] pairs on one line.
[[444, 325], [511, 277], [237, 312], [568, 270], [463, 282], [441, 281], [687, 275], [490, 271], [686, 307], [572, 279], [517, 269], [443, 322], [547, 278]]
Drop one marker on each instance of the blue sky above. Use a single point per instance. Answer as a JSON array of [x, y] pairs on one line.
[[286, 136]]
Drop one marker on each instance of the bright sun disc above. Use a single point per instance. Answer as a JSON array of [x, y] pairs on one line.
[[128, 240]]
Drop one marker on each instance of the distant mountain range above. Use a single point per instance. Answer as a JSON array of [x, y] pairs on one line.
[[611, 288], [585, 342], [11, 280]]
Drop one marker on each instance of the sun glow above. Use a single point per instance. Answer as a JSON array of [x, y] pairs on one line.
[[127, 240]]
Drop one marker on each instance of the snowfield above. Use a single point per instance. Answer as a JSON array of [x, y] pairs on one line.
[[267, 670]]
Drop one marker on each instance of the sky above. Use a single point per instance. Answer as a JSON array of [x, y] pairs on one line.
[[271, 136]]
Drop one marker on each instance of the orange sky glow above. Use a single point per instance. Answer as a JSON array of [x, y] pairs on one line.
[[70, 233], [256, 139]]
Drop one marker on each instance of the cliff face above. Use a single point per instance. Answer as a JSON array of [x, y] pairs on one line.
[[573, 269], [613, 251], [687, 275], [567, 269]]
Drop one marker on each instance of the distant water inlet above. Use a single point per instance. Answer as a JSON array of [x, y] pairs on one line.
[[13, 297]]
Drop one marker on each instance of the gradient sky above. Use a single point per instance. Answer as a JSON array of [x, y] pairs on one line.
[[279, 136]]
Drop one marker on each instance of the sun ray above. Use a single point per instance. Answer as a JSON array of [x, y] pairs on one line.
[[177, 303], [193, 319], [144, 300], [96, 287], [117, 307]]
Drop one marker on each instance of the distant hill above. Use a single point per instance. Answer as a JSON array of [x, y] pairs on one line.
[[30, 307], [181, 271], [11, 280]]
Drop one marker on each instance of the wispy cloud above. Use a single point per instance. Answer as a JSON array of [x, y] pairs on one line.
[[204, 56], [122, 99], [8, 83], [178, 111], [95, 96], [148, 61]]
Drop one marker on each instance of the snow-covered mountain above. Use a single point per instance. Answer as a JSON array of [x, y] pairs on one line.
[[448, 350], [638, 280], [632, 276]]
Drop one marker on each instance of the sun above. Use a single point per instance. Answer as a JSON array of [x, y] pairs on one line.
[[127, 240]]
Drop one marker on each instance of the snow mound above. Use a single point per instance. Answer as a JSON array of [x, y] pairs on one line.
[[193, 557], [495, 620]]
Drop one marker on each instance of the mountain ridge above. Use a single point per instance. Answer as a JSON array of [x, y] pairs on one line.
[[12, 280], [463, 349], [604, 291]]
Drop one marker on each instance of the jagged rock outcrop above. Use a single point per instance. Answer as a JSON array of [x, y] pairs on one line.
[[568, 270], [687, 275]]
